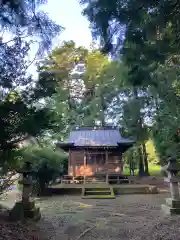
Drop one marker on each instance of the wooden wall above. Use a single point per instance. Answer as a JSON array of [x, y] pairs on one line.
[[90, 162]]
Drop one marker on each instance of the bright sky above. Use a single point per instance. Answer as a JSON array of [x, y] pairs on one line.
[[67, 13]]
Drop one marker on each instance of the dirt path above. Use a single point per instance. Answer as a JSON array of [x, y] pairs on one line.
[[128, 217]]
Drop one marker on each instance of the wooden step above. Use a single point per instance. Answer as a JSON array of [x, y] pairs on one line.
[[98, 197], [95, 182], [97, 189], [98, 193]]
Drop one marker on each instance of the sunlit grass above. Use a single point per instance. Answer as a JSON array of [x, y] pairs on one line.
[[154, 170]]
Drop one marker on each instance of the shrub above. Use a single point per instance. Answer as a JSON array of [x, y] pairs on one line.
[[48, 164]]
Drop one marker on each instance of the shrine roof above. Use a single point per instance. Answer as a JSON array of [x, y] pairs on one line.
[[96, 137]]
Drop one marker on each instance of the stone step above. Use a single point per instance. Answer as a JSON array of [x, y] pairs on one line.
[[98, 193], [169, 210], [172, 203], [94, 192], [98, 197], [97, 189]]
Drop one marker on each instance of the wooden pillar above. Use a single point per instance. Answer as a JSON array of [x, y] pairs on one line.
[[96, 156], [106, 162], [106, 156], [85, 163], [73, 162], [121, 162], [107, 178], [69, 161]]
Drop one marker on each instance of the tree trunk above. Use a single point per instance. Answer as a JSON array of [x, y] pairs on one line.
[[131, 166], [146, 167], [103, 109], [129, 169], [141, 165]]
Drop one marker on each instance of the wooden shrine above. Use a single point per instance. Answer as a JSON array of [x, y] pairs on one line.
[[95, 151]]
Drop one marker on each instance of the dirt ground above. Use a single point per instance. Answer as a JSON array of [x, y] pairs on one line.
[[128, 217]]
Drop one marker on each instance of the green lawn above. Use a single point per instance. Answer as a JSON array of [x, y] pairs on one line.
[[154, 170]]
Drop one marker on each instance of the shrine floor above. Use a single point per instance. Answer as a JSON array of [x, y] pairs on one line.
[[69, 189]]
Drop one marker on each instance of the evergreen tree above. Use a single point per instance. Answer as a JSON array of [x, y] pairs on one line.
[[21, 113], [86, 85], [146, 34], [24, 19]]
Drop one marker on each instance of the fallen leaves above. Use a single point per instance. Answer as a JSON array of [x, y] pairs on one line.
[[16, 230]]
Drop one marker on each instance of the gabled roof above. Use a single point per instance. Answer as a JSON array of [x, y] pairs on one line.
[[97, 137]]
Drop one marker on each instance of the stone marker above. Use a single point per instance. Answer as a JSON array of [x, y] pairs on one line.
[[26, 209], [172, 205]]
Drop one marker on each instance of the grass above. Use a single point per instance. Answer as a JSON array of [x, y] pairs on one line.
[[154, 170]]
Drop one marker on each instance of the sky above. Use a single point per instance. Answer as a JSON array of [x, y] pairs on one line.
[[67, 13]]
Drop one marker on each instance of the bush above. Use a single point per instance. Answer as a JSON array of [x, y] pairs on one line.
[[48, 164]]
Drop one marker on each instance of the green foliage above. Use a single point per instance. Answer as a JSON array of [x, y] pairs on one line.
[[65, 103], [24, 19], [45, 155], [48, 163], [151, 151], [83, 96], [21, 114], [146, 34], [154, 170], [145, 25], [92, 96]]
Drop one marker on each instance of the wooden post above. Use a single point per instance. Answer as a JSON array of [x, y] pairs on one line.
[[69, 162], [106, 156], [73, 162], [85, 166], [121, 163], [96, 161], [107, 176]]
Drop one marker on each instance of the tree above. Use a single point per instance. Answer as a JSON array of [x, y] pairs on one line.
[[132, 113], [139, 19], [129, 109], [146, 36], [25, 19], [63, 65], [92, 96], [100, 87], [86, 85], [49, 164], [21, 113]]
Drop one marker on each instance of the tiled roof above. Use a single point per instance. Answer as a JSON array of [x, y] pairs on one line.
[[97, 137]]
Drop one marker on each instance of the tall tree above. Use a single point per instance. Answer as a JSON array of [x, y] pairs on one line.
[[86, 82], [21, 113], [63, 65], [146, 34], [100, 84], [130, 112], [24, 19]]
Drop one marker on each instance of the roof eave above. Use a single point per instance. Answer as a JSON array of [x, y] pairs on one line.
[[124, 146], [65, 145], [130, 142]]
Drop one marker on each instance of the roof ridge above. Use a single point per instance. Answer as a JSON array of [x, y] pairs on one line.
[[94, 128]]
